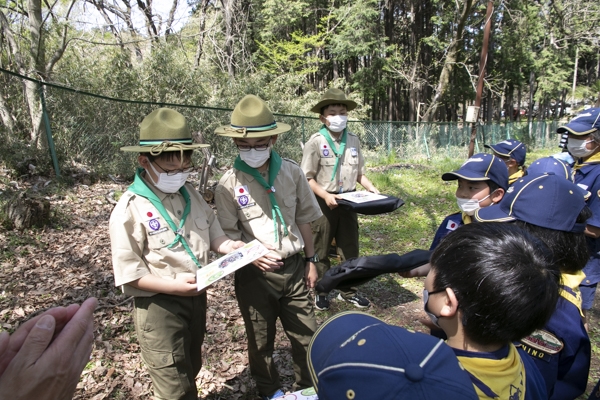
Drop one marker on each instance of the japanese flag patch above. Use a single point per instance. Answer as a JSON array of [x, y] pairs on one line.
[[325, 150], [451, 225], [241, 191]]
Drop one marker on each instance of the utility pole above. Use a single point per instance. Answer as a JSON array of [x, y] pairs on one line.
[[482, 62]]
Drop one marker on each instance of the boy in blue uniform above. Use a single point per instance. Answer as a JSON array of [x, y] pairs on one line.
[[561, 350], [482, 181], [584, 146], [513, 153], [490, 285]]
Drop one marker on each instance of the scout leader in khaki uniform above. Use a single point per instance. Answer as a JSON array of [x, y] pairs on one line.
[[333, 164], [267, 198], [161, 231]]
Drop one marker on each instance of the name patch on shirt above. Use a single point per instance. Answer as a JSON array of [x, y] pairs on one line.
[[353, 151], [163, 229]]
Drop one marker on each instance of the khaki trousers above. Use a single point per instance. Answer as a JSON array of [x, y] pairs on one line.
[[341, 225], [265, 296], [170, 332]]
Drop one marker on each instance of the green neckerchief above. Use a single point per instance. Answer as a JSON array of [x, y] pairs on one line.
[[274, 167], [338, 153], [140, 188]]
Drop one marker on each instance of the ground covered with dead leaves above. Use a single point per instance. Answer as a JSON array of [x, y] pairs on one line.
[[70, 261]]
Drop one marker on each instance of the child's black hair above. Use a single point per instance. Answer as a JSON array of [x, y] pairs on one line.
[[492, 185], [570, 251], [334, 104], [503, 277]]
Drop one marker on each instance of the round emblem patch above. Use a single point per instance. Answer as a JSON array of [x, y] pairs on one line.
[[243, 200], [154, 224], [325, 153]]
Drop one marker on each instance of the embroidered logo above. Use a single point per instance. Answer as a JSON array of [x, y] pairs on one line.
[[154, 224], [243, 200], [325, 150], [543, 341]]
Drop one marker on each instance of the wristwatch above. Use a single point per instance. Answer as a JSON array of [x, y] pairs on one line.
[[313, 259]]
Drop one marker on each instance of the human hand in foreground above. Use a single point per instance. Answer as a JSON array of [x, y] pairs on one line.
[[44, 358]]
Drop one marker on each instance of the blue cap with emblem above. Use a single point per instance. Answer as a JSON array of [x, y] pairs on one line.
[[481, 167], [354, 355], [510, 148], [547, 200], [586, 122]]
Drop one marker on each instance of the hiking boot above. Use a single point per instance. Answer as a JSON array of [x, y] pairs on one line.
[[279, 393], [321, 302], [357, 300]]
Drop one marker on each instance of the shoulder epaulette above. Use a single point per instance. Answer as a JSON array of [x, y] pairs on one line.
[[290, 160]]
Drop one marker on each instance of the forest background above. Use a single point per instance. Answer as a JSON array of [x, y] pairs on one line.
[[401, 60]]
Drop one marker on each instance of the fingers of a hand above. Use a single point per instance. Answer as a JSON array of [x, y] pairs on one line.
[[78, 325], [37, 341]]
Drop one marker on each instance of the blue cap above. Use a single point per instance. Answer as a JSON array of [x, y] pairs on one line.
[[546, 200], [584, 123], [481, 167], [355, 355], [550, 164], [510, 148]]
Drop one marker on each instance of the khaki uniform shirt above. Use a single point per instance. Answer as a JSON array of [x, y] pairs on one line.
[[318, 161], [139, 237], [244, 208]]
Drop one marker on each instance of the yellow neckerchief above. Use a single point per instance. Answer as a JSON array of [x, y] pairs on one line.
[[497, 379], [569, 288], [515, 176], [466, 218], [595, 159]]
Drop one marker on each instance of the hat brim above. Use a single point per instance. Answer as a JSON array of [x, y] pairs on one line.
[[452, 176], [497, 150], [492, 213], [147, 149], [576, 128], [228, 131], [350, 105]]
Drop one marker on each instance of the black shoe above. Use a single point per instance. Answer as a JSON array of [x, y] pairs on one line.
[[321, 302], [357, 300]]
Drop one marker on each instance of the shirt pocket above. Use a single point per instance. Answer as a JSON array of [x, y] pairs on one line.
[[327, 161], [158, 233], [250, 213]]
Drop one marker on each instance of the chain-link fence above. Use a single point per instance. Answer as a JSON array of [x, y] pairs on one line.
[[87, 131]]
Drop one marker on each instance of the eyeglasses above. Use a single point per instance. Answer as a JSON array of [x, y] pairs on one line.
[[172, 172], [258, 147]]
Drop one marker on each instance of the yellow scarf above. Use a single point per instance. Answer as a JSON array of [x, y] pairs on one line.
[[503, 378], [572, 281], [466, 218], [515, 176], [595, 159]]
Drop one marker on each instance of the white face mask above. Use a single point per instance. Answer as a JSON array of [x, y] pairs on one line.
[[578, 147], [169, 183], [469, 206], [255, 158], [337, 123]]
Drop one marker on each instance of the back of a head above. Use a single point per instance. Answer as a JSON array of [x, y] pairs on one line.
[[504, 280]]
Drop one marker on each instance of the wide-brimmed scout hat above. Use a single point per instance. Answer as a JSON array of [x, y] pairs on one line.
[[251, 118], [584, 123], [354, 355], [334, 96], [164, 130]]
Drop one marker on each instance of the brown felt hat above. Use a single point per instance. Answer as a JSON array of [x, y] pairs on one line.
[[164, 130], [252, 118], [334, 96]]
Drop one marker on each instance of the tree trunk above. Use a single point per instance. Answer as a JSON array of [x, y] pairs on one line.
[[449, 62], [24, 212]]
